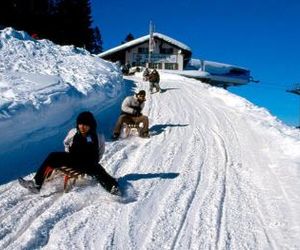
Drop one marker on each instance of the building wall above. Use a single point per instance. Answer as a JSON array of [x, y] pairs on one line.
[[164, 56]]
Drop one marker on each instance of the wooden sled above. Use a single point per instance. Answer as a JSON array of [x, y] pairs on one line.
[[129, 129], [69, 174]]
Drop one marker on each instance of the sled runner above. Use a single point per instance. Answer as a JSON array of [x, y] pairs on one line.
[[70, 174], [70, 177], [130, 129]]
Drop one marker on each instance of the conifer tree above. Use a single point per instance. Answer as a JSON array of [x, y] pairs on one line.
[[64, 22], [74, 23], [128, 38], [28, 15], [97, 41]]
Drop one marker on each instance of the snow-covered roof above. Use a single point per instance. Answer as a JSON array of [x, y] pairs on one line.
[[144, 39], [196, 63]]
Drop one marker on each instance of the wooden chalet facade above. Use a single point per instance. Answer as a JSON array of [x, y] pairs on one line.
[[166, 53]]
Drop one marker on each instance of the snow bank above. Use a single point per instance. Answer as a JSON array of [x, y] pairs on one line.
[[31, 71], [44, 85]]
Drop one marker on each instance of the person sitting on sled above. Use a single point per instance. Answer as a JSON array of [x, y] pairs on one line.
[[83, 150], [131, 113]]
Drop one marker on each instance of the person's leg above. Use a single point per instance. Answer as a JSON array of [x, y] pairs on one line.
[[106, 180], [151, 87], [144, 131], [157, 87], [54, 160], [122, 119]]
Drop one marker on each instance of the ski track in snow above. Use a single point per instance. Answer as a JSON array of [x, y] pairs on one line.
[[195, 179]]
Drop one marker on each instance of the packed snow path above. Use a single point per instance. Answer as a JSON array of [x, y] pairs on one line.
[[218, 173]]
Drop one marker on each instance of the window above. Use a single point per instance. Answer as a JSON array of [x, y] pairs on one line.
[[167, 51], [142, 64], [172, 66], [142, 50], [155, 65]]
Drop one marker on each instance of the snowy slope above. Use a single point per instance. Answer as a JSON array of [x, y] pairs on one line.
[[219, 173]]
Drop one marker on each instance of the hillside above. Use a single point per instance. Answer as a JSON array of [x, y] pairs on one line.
[[217, 173]]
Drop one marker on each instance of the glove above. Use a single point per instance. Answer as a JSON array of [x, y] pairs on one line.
[[136, 112]]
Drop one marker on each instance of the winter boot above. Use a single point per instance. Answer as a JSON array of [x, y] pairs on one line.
[[145, 135], [115, 190], [30, 185], [115, 136]]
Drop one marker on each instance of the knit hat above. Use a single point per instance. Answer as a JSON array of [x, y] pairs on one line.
[[87, 118], [141, 93]]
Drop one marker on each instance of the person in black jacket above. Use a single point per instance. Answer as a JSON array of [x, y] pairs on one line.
[[154, 80], [146, 74], [83, 150]]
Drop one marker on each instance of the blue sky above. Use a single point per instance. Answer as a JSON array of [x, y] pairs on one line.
[[261, 35]]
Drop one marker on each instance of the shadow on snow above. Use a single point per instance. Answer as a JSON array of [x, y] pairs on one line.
[[160, 128], [167, 89], [136, 177]]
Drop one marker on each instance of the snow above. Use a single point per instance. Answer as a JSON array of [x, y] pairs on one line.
[[144, 39], [218, 172], [213, 67], [189, 73], [217, 73], [43, 86]]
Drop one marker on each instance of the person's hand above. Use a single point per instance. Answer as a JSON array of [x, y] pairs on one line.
[[137, 112]]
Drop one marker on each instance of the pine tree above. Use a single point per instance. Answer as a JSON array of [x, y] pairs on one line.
[[7, 12], [75, 21], [64, 22], [128, 38], [97, 42], [28, 15]]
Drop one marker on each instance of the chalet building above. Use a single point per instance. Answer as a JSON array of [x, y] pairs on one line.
[[169, 55], [161, 52]]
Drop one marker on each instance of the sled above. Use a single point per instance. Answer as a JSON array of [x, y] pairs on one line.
[[72, 175], [130, 129], [68, 173]]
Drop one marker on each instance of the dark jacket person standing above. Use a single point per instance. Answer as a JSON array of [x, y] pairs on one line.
[[154, 80]]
